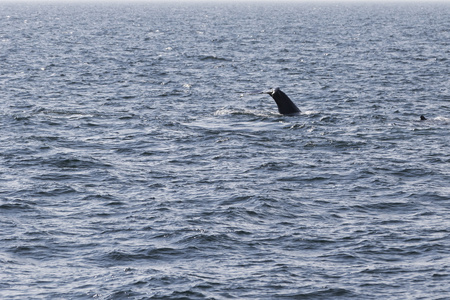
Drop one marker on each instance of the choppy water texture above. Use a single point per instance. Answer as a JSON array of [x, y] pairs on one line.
[[136, 164]]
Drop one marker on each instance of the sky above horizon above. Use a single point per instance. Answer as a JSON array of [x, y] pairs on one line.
[[225, 1]]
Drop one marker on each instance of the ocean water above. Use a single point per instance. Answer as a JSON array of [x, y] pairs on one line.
[[136, 161]]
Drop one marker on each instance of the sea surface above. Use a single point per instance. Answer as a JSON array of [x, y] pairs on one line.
[[138, 161]]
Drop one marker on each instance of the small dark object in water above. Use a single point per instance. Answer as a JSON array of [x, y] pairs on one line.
[[422, 118], [285, 105]]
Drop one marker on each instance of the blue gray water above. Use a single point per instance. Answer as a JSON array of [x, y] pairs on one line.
[[135, 162]]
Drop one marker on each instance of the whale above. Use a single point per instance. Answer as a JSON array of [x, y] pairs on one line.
[[284, 103]]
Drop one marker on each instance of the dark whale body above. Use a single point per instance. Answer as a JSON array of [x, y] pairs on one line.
[[285, 105]]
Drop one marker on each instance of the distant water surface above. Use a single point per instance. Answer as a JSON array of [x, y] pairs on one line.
[[137, 163]]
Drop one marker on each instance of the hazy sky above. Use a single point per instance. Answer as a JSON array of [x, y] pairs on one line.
[[229, 1]]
